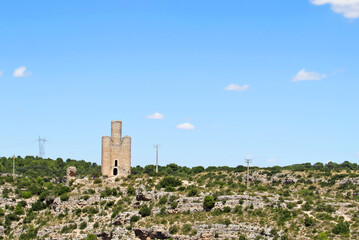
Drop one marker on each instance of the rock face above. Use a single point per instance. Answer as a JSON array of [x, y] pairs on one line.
[[124, 218], [142, 194], [152, 233], [71, 173], [143, 197]]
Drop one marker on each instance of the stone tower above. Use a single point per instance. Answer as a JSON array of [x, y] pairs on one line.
[[116, 152]]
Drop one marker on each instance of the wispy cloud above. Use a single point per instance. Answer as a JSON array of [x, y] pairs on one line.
[[1, 73], [156, 116], [349, 8], [272, 160], [185, 126], [237, 87], [21, 72], [303, 75]]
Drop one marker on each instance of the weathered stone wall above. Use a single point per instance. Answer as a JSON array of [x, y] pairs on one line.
[[116, 149]]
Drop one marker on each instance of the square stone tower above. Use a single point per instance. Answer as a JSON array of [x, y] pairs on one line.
[[116, 153]]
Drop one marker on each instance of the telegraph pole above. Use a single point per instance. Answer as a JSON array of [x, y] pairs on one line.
[[156, 146], [248, 160], [13, 166]]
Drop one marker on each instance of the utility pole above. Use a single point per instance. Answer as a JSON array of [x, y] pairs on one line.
[[156, 146], [13, 166], [248, 160]]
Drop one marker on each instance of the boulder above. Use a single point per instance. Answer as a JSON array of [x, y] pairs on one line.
[[152, 233], [143, 197]]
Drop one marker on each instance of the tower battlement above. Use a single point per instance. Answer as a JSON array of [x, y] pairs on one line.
[[116, 152]]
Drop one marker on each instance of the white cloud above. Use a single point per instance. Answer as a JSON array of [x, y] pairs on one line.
[[156, 116], [21, 72], [1, 73], [302, 75], [185, 126], [349, 8], [236, 87]]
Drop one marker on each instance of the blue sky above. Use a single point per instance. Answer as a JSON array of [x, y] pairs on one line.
[[276, 80]]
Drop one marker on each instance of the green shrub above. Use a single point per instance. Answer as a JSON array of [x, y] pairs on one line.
[[173, 229], [170, 181], [131, 191], [30, 234], [208, 202], [341, 228], [163, 200], [64, 197], [323, 236], [2, 212], [85, 197], [38, 206], [134, 219], [19, 210], [309, 222], [26, 194], [83, 225], [226, 209], [192, 192], [174, 205], [91, 237], [97, 181], [186, 228], [145, 211]]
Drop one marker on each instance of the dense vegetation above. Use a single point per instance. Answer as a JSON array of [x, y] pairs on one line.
[[47, 168]]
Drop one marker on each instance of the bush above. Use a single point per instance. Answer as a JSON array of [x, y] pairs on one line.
[[323, 236], [170, 182], [131, 191], [19, 210], [64, 197], [173, 229], [192, 192], [134, 219], [145, 211], [83, 225], [341, 228], [31, 234], [2, 212], [163, 200], [91, 237], [208, 202], [26, 194], [309, 222], [226, 209], [97, 181], [186, 228], [174, 205], [38, 206]]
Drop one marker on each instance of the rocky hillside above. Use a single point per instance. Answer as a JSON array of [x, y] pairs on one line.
[[212, 204]]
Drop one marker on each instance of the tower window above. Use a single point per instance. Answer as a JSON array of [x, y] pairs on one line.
[[115, 171], [116, 163]]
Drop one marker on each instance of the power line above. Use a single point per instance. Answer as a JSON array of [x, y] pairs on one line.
[[42, 142]]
